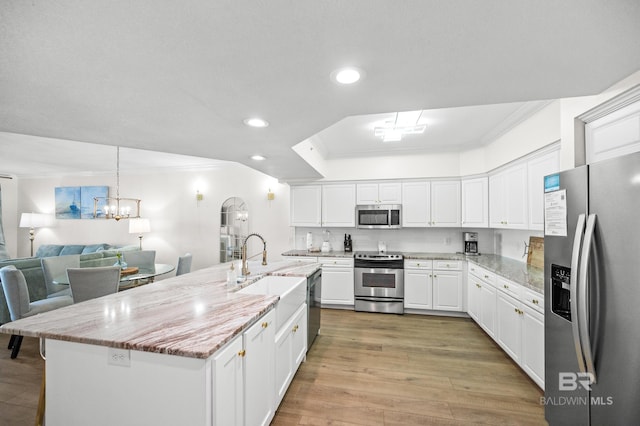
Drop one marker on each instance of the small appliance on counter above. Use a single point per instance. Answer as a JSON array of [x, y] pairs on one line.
[[382, 247], [326, 244], [470, 243], [348, 244]]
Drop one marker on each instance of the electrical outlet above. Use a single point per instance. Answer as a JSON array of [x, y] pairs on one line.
[[447, 241], [121, 357]]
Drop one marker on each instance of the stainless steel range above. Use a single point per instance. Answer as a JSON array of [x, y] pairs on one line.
[[379, 282]]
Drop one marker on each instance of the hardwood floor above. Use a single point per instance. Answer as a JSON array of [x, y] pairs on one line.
[[364, 369], [376, 369]]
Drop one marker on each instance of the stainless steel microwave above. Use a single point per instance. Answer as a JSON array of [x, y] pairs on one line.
[[379, 216]]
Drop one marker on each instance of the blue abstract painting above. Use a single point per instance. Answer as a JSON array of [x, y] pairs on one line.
[[67, 202], [87, 194]]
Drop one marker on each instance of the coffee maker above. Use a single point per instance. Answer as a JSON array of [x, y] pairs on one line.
[[470, 243]]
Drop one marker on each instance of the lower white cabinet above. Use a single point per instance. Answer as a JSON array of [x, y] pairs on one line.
[[533, 344], [291, 348], [259, 347], [228, 385], [433, 285], [509, 331], [337, 281]]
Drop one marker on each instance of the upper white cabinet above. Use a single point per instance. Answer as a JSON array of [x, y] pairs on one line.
[[614, 134], [508, 198], [431, 204], [306, 205], [538, 168], [379, 193], [416, 208], [339, 205], [475, 202]]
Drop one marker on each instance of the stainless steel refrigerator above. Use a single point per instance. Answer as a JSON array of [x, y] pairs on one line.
[[592, 294]]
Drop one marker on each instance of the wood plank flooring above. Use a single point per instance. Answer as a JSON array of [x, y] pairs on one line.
[[364, 369], [377, 369]]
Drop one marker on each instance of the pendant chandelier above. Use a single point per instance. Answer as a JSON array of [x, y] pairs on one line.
[[116, 208]]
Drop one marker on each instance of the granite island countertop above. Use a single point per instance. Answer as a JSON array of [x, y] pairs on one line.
[[192, 315], [519, 272]]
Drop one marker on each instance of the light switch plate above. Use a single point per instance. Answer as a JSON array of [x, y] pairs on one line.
[[121, 357]]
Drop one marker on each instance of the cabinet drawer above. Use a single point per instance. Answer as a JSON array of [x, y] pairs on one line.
[[418, 264], [454, 265], [482, 273], [533, 299], [344, 262], [508, 287], [301, 259]]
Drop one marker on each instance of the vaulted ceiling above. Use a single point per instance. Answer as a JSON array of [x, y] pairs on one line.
[[180, 77]]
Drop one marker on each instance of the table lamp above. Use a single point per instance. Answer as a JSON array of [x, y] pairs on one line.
[[139, 226], [32, 221]]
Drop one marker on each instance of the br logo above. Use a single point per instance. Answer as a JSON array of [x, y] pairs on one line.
[[568, 381]]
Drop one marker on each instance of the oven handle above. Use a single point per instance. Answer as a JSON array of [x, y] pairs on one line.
[[379, 299]]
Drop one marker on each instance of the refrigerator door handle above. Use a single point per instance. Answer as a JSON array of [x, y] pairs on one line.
[[573, 291], [583, 302]]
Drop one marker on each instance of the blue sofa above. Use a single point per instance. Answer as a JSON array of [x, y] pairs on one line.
[[31, 267]]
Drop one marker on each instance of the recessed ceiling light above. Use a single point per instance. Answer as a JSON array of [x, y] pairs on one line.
[[347, 75], [258, 158], [255, 122]]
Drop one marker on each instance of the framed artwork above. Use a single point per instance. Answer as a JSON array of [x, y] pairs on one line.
[[87, 193], [76, 202], [68, 202]]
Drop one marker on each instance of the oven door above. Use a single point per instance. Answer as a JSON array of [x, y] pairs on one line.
[[379, 282]]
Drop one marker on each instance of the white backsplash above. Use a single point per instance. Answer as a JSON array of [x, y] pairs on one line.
[[505, 242]]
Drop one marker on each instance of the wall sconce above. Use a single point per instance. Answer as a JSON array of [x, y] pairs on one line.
[[199, 196], [32, 221], [270, 195], [139, 226]]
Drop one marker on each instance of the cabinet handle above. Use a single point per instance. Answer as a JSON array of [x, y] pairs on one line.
[[435, 276], [518, 311], [265, 324], [478, 285], [505, 286], [486, 277], [242, 352], [535, 301], [295, 329]]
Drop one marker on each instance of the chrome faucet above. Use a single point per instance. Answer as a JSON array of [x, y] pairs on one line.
[[245, 268]]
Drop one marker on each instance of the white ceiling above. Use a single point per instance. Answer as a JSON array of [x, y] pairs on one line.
[[176, 77]]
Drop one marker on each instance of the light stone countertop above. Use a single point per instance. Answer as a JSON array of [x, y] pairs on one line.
[[306, 253], [192, 315], [519, 272]]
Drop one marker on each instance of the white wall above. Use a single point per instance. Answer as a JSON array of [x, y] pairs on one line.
[[179, 223]]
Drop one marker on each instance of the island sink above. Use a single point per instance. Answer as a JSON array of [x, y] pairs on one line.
[[291, 290]]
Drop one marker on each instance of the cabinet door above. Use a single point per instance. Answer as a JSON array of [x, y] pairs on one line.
[[496, 201], [447, 290], [390, 193], [445, 203], [337, 286], [228, 383], [515, 197], [259, 390], [416, 207], [509, 325], [533, 345], [475, 202], [418, 289], [299, 340], [339, 205], [306, 205], [283, 361], [367, 193], [488, 309], [473, 297], [538, 168]]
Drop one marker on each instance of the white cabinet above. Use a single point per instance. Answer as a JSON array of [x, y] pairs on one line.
[[433, 285], [475, 202], [509, 332], [533, 344], [447, 290], [418, 284], [337, 281], [339, 205], [416, 207], [488, 308], [538, 168], [445, 203], [482, 298], [379, 193], [259, 346], [306, 205], [291, 348], [613, 135], [228, 384], [431, 204], [508, 198]]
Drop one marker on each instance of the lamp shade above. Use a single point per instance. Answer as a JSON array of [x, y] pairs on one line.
[[139, 225], [35, 220]]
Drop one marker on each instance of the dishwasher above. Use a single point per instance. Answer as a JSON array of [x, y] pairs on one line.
[[314, 298]]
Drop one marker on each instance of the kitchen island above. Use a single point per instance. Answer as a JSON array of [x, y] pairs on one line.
[[149, 355]]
